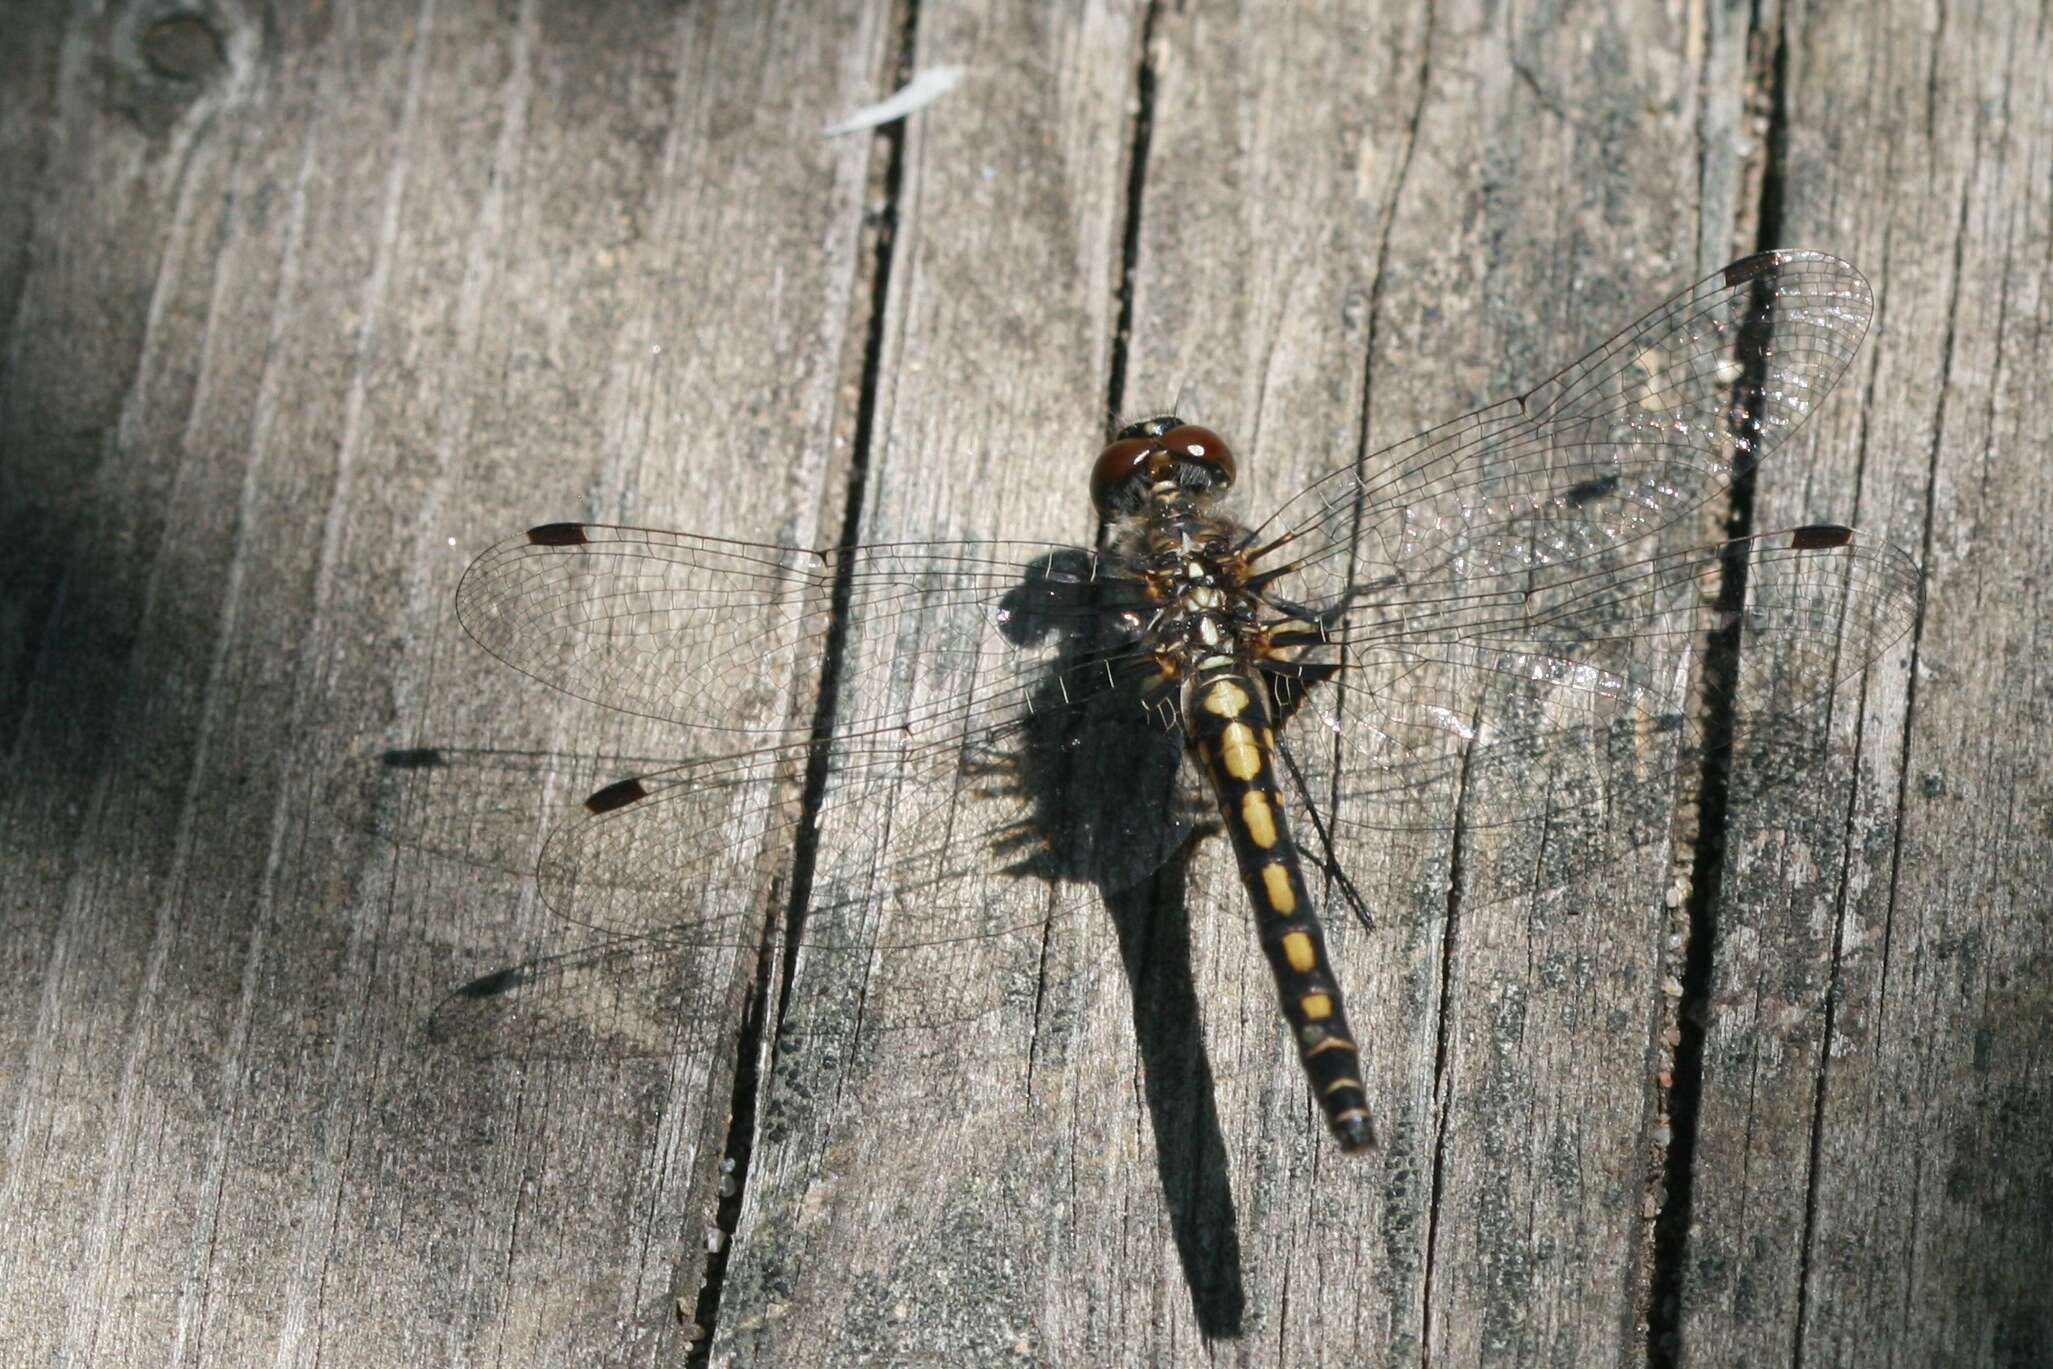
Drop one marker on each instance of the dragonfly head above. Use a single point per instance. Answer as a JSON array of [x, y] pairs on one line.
[[1156, 452]]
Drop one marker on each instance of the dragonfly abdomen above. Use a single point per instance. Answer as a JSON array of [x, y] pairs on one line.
[[1228, 724]]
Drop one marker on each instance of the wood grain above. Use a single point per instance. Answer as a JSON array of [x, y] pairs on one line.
[[304, 311]]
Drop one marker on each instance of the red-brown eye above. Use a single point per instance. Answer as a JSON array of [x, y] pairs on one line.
[[1190, 442], [1110, 478]]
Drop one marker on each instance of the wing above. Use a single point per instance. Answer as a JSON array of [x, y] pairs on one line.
[[1497, 593], [942, 877], [1670, 411], [1596, 687], [986, 722], [942, 638]]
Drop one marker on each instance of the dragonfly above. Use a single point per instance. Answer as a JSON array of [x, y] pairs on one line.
[[1517, 590]]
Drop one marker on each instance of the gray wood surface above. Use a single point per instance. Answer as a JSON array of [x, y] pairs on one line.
[[305, 307]]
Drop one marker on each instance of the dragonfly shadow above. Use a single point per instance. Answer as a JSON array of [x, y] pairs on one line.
[[1153, 925], [1114, 804], [484, 811], [484, 807]]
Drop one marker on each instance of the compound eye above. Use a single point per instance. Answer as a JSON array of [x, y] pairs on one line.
[[1192, 443], [1113, 478]]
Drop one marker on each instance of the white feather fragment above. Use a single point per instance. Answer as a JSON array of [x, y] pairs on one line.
[[921, 91]]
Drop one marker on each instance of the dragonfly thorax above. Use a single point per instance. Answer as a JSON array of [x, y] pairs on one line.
[[1195, 571]]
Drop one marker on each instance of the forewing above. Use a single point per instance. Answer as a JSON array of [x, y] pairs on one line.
[[1616, 447], [711, 633]]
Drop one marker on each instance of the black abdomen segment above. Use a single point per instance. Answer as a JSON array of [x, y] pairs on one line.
[[1228, 723]]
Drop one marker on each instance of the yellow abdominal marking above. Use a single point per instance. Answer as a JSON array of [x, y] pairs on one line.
[[1276, 884], [1256, 816], [1327, 1043], [1226, 699], [1297, 949], [1338, 1084], [1316, 1005], [1238, 752]]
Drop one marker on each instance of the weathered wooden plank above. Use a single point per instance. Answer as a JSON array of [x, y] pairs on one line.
[[899, 1204], [1873, 1119], [1331, 274], [397, 282], [293, 338]]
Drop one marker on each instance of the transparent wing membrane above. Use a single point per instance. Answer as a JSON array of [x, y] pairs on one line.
[[1490, 604], [709, 632], [1608, 670], [1610, 451]]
